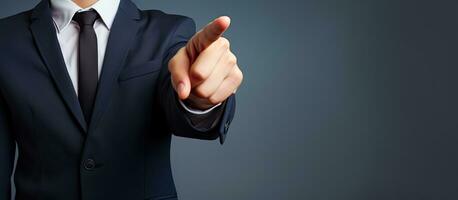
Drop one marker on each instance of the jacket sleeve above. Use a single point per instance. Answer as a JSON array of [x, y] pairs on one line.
[[178, 120], [7, 150]]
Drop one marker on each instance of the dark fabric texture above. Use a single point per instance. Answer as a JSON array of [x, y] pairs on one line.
[[7, 148], [124, 151]]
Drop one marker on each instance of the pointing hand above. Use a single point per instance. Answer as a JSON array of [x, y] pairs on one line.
[[205, 72]]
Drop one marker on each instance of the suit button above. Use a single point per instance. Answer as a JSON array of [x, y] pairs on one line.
[[89, 164]]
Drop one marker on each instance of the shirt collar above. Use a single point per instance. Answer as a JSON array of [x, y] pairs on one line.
[[64, 10]]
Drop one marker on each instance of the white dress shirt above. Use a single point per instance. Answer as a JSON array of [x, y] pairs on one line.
[[68, 35]]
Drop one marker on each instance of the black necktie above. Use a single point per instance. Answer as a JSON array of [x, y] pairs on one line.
[[87, 61]]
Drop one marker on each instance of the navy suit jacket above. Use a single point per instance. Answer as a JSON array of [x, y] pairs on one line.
[[124, 152]]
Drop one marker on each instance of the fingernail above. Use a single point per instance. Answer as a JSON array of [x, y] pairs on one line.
[[227, 19]]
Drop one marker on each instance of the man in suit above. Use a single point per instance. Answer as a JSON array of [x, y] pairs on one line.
[[91, 92]]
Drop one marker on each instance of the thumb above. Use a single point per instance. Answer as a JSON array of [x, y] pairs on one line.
[[206, 36], [179, 69]]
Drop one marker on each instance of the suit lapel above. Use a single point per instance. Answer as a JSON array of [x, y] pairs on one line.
[[121, 38], [44, 33]]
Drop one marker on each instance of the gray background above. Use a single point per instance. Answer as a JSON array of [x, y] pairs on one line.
[[341, 100]]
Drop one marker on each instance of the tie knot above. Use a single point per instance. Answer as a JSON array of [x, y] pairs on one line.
[[86, 17]]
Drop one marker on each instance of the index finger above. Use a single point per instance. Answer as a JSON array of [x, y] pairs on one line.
[[210, 33]]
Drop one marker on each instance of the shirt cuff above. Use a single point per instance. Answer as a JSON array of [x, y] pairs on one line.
[[197, 112]]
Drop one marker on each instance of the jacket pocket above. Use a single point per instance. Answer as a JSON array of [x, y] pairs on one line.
[[140, 70]]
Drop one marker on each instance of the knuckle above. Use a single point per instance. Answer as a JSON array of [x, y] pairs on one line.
[[232, 59], [224, 42], [240, 78], [235, 82], [202, 93], [199, 75], [237, 78], [214, 100]]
